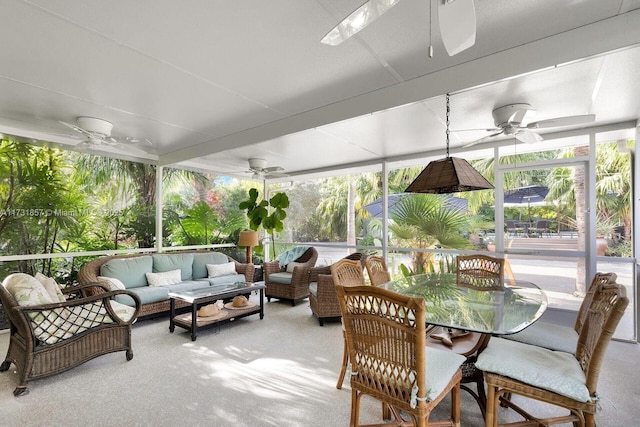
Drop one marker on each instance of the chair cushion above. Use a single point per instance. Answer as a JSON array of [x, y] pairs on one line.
[[168, 262], [26, 289], [51, 286], [201, 260], [130, 271], [555, 371], [441, 365], [313, 288], [164, 279], [217, 270], [548, 335], [283, 278]]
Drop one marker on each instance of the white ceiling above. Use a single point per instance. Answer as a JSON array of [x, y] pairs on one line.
[[214, 83]]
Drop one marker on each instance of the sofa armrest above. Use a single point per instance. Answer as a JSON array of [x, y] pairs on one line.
[[247, 269]]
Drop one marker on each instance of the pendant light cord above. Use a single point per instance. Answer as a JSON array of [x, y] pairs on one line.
[[448, 111]]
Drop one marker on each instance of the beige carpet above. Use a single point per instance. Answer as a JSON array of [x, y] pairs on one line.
[[279, 371]]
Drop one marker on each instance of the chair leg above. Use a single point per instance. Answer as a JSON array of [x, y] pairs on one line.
[[455, 405], [491, 412], [355, 408], [345, 361]]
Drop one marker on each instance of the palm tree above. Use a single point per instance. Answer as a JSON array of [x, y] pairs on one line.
[[423, 221]]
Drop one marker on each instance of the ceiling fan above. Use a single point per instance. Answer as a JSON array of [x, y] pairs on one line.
[[509, 119], [98, 132], [457, 19], [260, 170]]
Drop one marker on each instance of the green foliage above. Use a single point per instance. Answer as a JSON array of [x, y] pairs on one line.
[[259, 215]]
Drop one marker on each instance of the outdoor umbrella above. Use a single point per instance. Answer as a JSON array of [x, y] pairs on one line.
[[527, 194]]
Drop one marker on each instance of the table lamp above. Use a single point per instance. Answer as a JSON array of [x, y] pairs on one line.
[[249, 239]]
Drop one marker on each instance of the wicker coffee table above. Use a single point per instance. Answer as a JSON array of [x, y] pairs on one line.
[[209, 295]]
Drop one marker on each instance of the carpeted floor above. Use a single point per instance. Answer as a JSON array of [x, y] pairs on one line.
[[279, 371]]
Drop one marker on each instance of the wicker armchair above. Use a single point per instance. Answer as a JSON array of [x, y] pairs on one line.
[[47, 339], [289, 285], [554, 377], [386, 335], [323, 299]]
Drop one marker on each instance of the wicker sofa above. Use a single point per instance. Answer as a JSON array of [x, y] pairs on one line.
[[132, 271], [289, 281], [49, 336]]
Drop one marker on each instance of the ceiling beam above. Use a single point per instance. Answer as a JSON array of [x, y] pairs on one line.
[[621, 32]]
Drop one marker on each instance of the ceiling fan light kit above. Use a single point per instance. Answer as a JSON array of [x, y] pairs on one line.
[[448, 175]]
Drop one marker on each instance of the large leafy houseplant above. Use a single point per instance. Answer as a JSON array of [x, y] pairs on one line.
[[269, 214]]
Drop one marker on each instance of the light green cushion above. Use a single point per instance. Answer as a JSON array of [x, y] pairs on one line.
[[548, 335], [441, 365], [188, 286], [147, 295], [283, 278], [223, 280], [168, 262], [130, 271], [313, 288], [26, 289], [201, 260], [555, 371]]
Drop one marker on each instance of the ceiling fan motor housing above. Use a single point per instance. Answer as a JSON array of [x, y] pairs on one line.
[[94, 125], [510, 114], [258, 164]]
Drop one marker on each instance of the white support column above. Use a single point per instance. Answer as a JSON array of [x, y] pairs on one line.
[[159, 170], [385, 209]]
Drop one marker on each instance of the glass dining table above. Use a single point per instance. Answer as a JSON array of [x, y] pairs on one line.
[[464, 319], [500, 312]]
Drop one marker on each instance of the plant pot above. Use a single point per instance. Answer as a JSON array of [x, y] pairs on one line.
[[601, 246]]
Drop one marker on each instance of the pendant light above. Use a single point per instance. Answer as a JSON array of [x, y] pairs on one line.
[[448, 175]]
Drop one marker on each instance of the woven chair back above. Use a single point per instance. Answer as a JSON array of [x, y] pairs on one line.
[[385, 335], [480, 272], [602, 318], [599, 280], [377, 270], [347, 272]]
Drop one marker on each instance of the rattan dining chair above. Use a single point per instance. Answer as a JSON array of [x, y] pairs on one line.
[[346, 272], [377, 270], [480, 272], [558, 337], [555, 377], [389, 359]]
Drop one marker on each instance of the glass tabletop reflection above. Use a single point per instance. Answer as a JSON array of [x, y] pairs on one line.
[[493, 312]]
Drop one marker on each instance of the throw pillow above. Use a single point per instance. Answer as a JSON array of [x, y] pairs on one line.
[[164, 279], [27, 290], [217, 270], [113, 283], [51, 286], [293, 265]]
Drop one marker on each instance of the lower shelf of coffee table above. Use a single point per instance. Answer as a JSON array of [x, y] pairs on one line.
[[184, 320]]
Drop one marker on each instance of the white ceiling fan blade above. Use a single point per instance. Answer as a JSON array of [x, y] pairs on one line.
[[272, 169], [477, 130], [484, 138], [276, 175], [457, 20], [528, 137], [563, 121], [357, 20]]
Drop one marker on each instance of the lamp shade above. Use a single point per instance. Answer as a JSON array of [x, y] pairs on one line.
[[248, 238], [448, 175]]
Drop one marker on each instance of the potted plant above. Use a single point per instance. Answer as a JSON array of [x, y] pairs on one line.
[[269, 214]]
